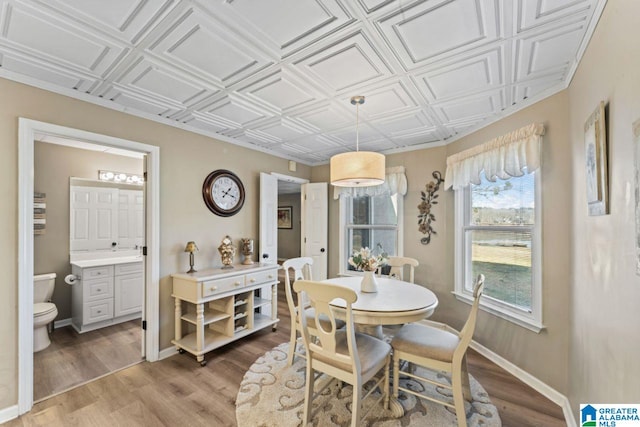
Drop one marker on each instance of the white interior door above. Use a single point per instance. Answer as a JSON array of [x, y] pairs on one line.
[[315, 207], [268, 219]]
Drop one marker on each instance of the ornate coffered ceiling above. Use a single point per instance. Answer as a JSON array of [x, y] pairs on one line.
[[277, 75]]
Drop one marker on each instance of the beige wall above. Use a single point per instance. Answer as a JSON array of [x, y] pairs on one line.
[[185, 160], [605, 290], [289, 239], [53, 166]]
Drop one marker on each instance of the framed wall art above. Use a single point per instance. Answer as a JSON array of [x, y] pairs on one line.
[[595, 139], [284, 217]]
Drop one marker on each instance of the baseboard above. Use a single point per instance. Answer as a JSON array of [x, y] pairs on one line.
[[167, 352], [9, 413], [61, 323], [533, 382]]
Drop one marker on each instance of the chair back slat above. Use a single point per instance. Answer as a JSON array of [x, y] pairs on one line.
[[398, 264], [327, 341], [296, 269]]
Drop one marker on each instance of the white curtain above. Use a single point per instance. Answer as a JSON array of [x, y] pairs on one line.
[[395, 181], [502, 157]]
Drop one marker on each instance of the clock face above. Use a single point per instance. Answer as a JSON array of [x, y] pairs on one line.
[[223, 192]]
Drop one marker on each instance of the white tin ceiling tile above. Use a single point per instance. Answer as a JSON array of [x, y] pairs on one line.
[[407, 124], [370, 6], [353, 61], [531, 88], [306, 21], [126, 19], [42, 71], [163, 83], [416, 138], [280, 91], [325, 116], [199, 45], [471, 108], [348, 135], [282, 130], [384, 101], [475, 73], [45, 36], [431, 30], [529, 14], [551, 50], [234, 112], [202, 124], [140, 103], [378, 145]]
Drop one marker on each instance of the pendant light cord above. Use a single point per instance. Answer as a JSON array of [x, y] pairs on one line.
[[357, 127]]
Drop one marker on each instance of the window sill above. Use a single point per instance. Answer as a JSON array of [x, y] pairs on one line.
[[520, 320]]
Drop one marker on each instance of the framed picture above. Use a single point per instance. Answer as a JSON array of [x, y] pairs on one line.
[[636, 143], [284, 217], [595, 140]]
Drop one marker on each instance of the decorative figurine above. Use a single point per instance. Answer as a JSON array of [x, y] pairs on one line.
[[247, 251], [227, 251]]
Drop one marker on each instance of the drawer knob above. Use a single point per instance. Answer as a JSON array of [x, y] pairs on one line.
[[99, 311], [236, 284], [270, 276], [213, 288], [99, 289], [253, 280]]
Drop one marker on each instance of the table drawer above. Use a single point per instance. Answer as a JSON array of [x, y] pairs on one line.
[[213, 287], [133, 267], [97, 272], [97, 289], [97, 311], [261, 277]]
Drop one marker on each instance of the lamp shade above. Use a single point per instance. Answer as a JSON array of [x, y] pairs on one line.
[[191, 247], [357, 169]]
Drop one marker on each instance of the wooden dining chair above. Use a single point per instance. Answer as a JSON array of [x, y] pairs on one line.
[[341, 353], [296, 269], [437, 349], [398, 263]]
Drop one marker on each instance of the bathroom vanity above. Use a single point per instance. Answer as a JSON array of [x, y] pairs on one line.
[[106, 292]]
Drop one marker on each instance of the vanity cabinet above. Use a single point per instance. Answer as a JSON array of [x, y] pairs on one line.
[[218, 306], [106, 295]]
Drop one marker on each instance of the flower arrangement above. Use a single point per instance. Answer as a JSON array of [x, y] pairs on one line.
[[366, 260]]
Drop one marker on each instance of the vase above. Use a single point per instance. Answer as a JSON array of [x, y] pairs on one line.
[[369, 282]]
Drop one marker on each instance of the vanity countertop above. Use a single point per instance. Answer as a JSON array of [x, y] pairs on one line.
[[86, 263]]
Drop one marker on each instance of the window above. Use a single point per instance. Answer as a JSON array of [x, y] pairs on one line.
[[498, 235], [370, 221]]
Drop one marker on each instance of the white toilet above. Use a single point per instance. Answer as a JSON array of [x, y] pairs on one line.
[[44, 311]]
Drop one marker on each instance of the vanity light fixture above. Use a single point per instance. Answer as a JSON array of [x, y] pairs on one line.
[[125, 178], [357, 168]]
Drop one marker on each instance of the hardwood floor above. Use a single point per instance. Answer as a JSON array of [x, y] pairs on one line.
[[177, 391], [73, 359]]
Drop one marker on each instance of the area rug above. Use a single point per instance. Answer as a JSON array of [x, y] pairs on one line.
[[272, 394]]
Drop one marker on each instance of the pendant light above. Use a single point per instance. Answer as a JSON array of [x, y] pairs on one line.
[[357, 168]]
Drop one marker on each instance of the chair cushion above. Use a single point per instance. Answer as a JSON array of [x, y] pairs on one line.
[[426, 341], [310, 314], [371, 352]]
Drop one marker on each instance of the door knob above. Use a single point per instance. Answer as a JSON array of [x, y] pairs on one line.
[[265, 256], [322, 250]]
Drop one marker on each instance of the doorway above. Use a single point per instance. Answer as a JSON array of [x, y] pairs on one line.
[[28, 132]]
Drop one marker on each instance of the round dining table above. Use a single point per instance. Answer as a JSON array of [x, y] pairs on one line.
[[396, 303]]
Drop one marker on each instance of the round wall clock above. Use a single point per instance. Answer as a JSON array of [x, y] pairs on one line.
[[223, 192]]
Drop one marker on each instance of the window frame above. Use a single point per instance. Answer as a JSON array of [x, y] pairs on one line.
[[344, 228], [532, 319]]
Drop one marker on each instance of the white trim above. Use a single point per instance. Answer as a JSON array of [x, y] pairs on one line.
[[9, 413], [26, 135], [289, 178], [62, 323], [167, 352], [462, 253], [533, 382]]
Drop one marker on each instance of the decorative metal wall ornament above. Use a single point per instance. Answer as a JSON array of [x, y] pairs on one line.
[[426, 217]]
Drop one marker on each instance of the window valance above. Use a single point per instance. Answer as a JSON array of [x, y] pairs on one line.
[[395, 181], [502, 157]]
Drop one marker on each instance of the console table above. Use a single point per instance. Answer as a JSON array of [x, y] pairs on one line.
[[215, 307]]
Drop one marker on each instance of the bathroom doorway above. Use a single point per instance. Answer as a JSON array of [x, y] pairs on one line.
[[147, 345], [83, 350]]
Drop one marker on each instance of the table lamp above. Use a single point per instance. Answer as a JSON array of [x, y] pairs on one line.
[[191, 248]]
